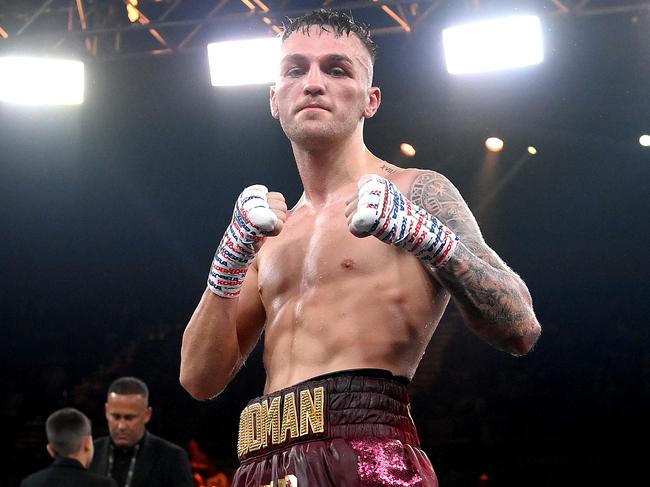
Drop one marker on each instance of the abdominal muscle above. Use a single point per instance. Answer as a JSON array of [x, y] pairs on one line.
[[335, 302]]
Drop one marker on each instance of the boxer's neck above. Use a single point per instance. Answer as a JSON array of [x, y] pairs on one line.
[[327, 171]]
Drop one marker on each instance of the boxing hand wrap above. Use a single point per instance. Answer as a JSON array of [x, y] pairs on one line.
[[383, 211], [252, 220]]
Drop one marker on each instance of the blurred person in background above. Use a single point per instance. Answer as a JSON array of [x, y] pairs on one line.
[[130, 454], [70, 443]]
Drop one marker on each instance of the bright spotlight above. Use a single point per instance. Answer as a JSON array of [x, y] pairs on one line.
[[41, 81], [253, 61], [407, 149], [491, 45], [644, 140], [494, 144], [532, 150]]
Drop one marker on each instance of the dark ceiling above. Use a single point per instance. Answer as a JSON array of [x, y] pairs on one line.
[[102, 29]]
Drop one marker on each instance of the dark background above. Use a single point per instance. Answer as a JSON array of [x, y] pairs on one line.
[[110, 213]]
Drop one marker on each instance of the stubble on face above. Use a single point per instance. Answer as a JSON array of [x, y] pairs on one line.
[[344, 98]]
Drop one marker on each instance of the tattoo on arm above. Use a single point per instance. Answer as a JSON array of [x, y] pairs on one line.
[[438, 196], [478, 277], [387, 168], [497, 298]]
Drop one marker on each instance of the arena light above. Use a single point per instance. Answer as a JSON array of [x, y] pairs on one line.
[[253, 61], [132, 10], [644, 140], [494, 144], [407, 149], [492, 45], [532, 150], [41, 81]]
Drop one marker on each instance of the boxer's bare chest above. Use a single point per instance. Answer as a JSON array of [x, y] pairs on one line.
[[316, 248]]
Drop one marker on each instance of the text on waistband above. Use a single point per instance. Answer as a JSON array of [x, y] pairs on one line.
[[262, 424]]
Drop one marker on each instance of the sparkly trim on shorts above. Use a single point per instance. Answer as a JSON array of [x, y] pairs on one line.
[[351, 429]]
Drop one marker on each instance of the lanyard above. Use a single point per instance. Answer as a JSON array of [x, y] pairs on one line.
[[129, 475]]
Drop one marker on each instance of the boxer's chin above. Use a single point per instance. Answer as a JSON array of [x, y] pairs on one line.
[[312, 134]]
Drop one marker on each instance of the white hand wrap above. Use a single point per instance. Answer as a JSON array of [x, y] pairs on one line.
[[383, 211], [251, 220]]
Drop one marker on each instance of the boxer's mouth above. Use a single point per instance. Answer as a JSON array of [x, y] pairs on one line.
[[312, 106]]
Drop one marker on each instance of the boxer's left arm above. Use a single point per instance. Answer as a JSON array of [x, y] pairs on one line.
[[494, 301]]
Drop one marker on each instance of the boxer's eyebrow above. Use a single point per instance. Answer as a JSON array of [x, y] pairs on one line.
[[301, 58], [293, 58], [342, 58]]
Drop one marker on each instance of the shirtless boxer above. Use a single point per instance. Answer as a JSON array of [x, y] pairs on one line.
[[348, 286]]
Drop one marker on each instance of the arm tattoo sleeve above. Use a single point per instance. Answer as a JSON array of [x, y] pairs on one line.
[[488, 292]]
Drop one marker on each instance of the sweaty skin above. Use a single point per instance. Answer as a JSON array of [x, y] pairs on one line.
[[335, 302], [326, 299]]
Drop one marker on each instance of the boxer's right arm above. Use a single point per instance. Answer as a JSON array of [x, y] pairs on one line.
[[229, 318], [219, 337]]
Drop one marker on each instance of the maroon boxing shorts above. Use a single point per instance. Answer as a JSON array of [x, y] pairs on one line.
[[347, 429]]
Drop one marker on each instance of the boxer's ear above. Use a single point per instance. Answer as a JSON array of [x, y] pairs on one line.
[[373, 102], [273, 102]]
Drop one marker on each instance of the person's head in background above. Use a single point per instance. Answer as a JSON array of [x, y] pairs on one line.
[[127, 411], [69, 435]]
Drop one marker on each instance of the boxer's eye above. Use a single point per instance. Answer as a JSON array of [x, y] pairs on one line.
[[294, 72], [337, 71]]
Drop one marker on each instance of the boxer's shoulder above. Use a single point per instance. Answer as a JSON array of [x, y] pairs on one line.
[[411, 178], [418, 174], [426, 182]]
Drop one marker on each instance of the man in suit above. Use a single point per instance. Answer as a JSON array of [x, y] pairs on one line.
[[71, 445], [130, 454]]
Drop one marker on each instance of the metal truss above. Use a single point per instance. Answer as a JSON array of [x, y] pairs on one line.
[[109, 29]]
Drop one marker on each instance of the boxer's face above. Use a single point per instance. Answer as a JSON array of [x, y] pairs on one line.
[[127, 415], [323, 91]]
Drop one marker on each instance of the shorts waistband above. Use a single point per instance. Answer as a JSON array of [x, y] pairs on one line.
[[342, 405]]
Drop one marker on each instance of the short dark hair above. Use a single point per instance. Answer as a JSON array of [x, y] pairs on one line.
[[129, 385], [66, 430], [340, 23]]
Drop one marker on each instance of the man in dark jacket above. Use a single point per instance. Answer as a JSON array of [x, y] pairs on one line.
[[131, 455], [71, 445]]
